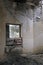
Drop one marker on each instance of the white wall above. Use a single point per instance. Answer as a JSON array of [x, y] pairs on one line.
[[27, 28], [38, 34]]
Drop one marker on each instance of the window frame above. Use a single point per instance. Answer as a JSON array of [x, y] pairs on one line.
[[7, 24]]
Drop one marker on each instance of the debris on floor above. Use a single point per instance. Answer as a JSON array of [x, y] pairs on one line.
[[17, 59]]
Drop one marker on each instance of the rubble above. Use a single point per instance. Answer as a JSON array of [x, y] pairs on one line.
[[17, 59]]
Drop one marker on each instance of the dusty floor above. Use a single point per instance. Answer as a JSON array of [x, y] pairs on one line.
[[17, 59]]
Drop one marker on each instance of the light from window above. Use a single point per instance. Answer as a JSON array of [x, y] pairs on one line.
[[14, 31]]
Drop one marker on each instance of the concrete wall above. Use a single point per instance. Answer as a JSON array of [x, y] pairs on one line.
[[38, 34], [26, 18], [38, 37], [32, 32], [5, 17], [3, 30], [27, 28]]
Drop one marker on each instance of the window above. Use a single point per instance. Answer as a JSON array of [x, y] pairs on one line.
[[13, 31]]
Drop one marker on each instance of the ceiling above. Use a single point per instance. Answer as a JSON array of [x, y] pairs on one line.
[[24, 1]]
